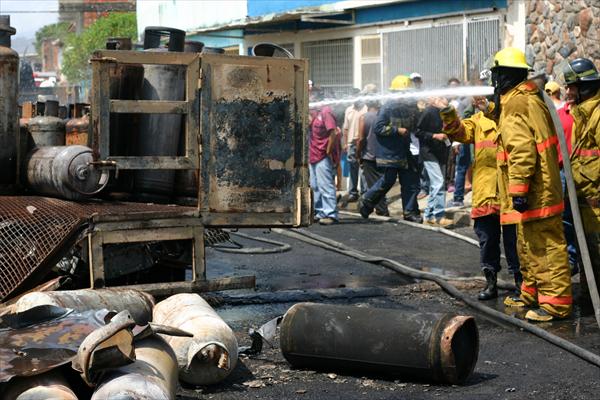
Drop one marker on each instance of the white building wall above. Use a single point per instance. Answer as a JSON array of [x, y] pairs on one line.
[[188, 15]]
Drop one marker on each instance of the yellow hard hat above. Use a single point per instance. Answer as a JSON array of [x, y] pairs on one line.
[[401, 82], [510, 57]]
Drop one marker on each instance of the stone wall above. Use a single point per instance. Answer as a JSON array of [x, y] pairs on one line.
[[559, 31]]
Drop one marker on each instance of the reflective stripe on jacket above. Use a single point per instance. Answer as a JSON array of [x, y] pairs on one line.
[[527, 157], [585, 160]]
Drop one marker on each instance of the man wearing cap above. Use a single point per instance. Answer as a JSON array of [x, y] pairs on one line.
[[552, 88], [583, 86], [527, 161], [416, 79]]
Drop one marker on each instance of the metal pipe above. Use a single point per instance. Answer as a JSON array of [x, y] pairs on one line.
[[153, 375], [139, 304], [577, 223], [211, 355], [49, 385], [435, 347]]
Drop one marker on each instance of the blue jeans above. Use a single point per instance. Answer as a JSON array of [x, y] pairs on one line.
[[463, 161], [567, 218], [424, 178], [409, 186], [353, 165], [322, 182], [437, 194]]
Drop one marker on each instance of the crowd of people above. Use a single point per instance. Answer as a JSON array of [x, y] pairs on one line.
[[504, 148]]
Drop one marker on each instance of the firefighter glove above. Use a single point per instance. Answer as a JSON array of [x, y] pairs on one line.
[[520, 203]]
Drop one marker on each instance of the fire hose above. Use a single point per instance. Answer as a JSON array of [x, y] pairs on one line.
[[395, 266]]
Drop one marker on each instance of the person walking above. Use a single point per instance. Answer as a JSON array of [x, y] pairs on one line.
[[394, 122], [583, 86], [324, 155], [434, 153], [352, 116], [527, 160], [481, 130]]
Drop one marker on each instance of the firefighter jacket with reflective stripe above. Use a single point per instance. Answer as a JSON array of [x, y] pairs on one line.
[[482, 132], [585, 160], [527, 156]]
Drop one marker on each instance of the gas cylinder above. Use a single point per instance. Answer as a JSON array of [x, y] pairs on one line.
[[77, 127], [159, 133], [9, 116], [433, 347], [48, 130], [186, 180], [270, 50], [64, 171]]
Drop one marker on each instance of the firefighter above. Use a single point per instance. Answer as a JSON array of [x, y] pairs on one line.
[[528, 172], [481, 130], [583, 86]]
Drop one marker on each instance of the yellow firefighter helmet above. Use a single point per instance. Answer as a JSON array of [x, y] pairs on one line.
[[401, 82], [510, 57]]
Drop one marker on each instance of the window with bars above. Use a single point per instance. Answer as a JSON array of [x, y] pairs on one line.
[[331, 65], [370, 60]]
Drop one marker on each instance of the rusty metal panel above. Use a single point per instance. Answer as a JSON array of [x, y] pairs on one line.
[[253, 129]]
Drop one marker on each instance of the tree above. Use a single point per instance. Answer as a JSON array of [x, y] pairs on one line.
[[79, 48], [59, 30]]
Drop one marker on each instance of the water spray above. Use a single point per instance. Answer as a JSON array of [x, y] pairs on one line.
[[459, 91]]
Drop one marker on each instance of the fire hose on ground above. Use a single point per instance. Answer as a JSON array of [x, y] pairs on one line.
[[395, 266]]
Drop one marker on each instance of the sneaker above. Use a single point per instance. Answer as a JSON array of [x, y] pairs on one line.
[[421, 195], [444, 222], [539, 315], [515, 301], [414, 218], [352, 198], [328, 221], [455, 203], [385, 213]]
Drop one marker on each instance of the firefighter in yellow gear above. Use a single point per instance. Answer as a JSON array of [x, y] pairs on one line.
[[527, 161], [583, 86], [481, 130]]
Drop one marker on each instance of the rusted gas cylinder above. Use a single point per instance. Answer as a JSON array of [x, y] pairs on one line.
[[77, 128], [209, 356], [186, 180], [49, 385], [270, 50], [159, 133], [47, 130], [433, 347], [153, 375], [139, 304], [64, 171], [9, 116]]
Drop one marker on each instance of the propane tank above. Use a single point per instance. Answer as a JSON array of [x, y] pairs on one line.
[[186, 180], [9, 117], [434, 347], [159, 133], [153, 374], [270, 50], [48, 130], [64, 172], [77, 127], [209, 356]]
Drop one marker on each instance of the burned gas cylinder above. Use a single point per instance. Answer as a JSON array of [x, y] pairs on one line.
[[153, 375], [49, 385], [159, 133], [64, 172], [9, 116], [77, 129], [47, 130], [432, 347]]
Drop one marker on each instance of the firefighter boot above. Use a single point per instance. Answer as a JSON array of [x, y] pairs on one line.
[[491, 289], [539, 315]]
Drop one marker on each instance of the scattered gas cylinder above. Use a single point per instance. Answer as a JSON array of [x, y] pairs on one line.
[[432, 347], [139, 304], [49, 385], [153, 375], [211, 355], [49, 129], [77, 128], [65, 172]]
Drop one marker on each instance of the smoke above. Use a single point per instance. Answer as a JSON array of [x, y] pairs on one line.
[[460, 91]]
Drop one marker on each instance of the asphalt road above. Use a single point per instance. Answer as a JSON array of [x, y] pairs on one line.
[[511, 365]]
